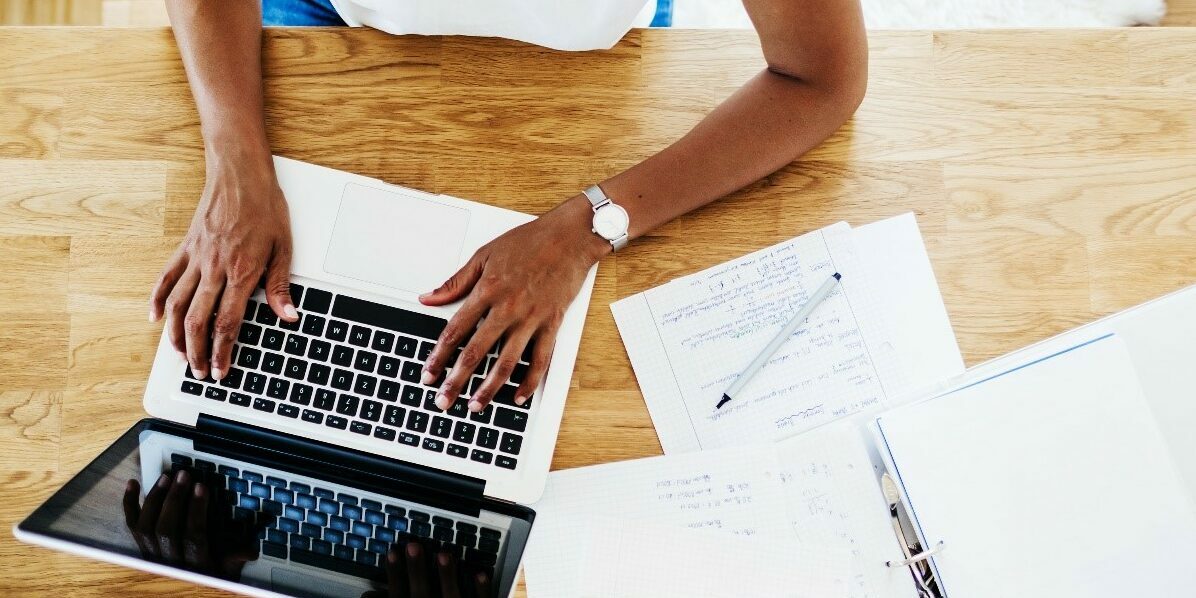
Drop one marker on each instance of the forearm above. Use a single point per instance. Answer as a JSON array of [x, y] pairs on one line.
[[220, 43]]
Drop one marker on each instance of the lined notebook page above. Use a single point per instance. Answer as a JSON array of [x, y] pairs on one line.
[[690, 338], [731, 492], [636, 559]]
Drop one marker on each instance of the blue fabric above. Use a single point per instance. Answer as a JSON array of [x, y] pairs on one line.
[[664, 14], [300, 13]]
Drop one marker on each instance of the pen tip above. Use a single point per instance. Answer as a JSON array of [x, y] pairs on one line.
[[722, 402], [837, 276]]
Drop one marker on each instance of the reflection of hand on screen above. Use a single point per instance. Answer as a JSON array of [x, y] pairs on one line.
[[410, 573], [180, 524]]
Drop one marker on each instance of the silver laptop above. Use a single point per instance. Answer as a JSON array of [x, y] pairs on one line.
[[334, 402]]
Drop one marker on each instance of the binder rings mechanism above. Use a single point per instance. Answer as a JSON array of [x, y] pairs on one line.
[[916, 558]]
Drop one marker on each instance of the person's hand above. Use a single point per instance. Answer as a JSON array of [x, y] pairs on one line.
[[411, 574], [178, 525], [516, 289], [240, 230]]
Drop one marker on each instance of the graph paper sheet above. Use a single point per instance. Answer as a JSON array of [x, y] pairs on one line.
[[813, 498], [691, 337]]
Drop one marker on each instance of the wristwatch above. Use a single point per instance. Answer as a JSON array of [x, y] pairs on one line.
[[610, 219]]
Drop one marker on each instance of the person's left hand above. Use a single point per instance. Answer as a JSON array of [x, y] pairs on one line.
[[516, 289]]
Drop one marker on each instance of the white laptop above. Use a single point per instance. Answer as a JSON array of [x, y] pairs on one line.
[[321, 437]]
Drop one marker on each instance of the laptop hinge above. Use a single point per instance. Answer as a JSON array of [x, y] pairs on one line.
[[392, 477]]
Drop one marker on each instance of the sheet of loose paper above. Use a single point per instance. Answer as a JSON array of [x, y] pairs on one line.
[[690, 338]]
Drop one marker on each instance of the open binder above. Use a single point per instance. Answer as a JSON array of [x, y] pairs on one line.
[[1062, 469]]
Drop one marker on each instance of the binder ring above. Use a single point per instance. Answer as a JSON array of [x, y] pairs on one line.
[[917, 558]]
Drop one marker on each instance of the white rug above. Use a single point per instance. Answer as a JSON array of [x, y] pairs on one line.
[[951, 14]]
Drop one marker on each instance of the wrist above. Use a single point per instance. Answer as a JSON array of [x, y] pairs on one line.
[[574, 218]]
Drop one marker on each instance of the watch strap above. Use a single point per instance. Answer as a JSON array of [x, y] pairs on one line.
[[597, 196]]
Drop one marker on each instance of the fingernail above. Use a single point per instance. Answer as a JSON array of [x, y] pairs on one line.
[[475, 406], [152, 317], [443, 402], [412, 549], [163, 480], [290, 311], [199, 491], [443, 559], [218, 375], [425, 295], [181, 476], [520, 399], [182, 355], [392, 557], [427, 378]]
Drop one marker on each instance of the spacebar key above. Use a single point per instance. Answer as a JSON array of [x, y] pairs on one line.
[[390, 318], [332, 563]]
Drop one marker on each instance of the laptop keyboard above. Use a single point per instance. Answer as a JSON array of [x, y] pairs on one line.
[[355, 365], [335, 530]]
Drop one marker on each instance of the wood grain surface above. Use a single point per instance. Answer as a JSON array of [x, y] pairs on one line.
[[1053, 174]]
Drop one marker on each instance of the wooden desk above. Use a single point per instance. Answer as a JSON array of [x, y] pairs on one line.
[[1053, 174]]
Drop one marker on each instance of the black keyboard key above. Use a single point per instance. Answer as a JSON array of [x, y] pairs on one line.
[[417, 421], [192, 388], [296, 293], [319, 350], [342, 379], [394, 415], [275, 550], [487, 437], [249, 358], [295, 345], [389, 391], [273, 339], [301, 487], [276, 535], [327, 507], [511, 443], [250, 310], [292, 326], [358, 427], [288, 525], [369, 503], [325, 399], [313, 325], [506, 396], [374, 516], [342, 355], [412, 395], [441, 426], [388, 367], [384, 433], [408, 439], [342, 561], [430, 403], [387, 317], [255, 383], [180, 460], [359, 336], [465, 526], [467, 540], [317, 300], [421, 529], [365, 361], [519, 374], [366, 558], [286, 410], [406, 346], [233, 378], [264, 405], [250, 334], [377, 546], [463, 432], [397, 523], [395, 510], [272, 363], [339, 523], [412, 371], [425, 349], [484, 415], [481, 456], [371, 410], [347, 405], [262, 491], [323, 547], [284, 496], [272, 507], [457, 450], [434, 445], [505, 462], [510, 419], [265, 315], [241, 400], [383, 341], [333, 421], [488, 545], [226, 471], [459, 409], [365, 385], [420, 516], [318, 373], [301, 394], [314, 417], [296, 368], [337, 331], [441, 533], [278, 388]]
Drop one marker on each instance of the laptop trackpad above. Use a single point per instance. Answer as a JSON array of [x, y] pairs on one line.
[[395, 240]]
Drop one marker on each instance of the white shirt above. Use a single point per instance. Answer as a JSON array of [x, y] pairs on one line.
[[557, 24]]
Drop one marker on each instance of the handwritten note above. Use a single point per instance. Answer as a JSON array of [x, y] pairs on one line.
[[690, 338]]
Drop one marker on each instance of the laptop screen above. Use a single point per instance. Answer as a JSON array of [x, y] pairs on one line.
[[161, 494]]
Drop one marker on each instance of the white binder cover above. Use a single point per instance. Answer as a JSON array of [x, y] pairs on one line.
[[1050, 479]]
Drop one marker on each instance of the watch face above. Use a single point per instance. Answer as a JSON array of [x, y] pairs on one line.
[[610, 222]]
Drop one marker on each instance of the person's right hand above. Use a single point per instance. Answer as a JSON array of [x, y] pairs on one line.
[[241, 230], [410, 573]]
